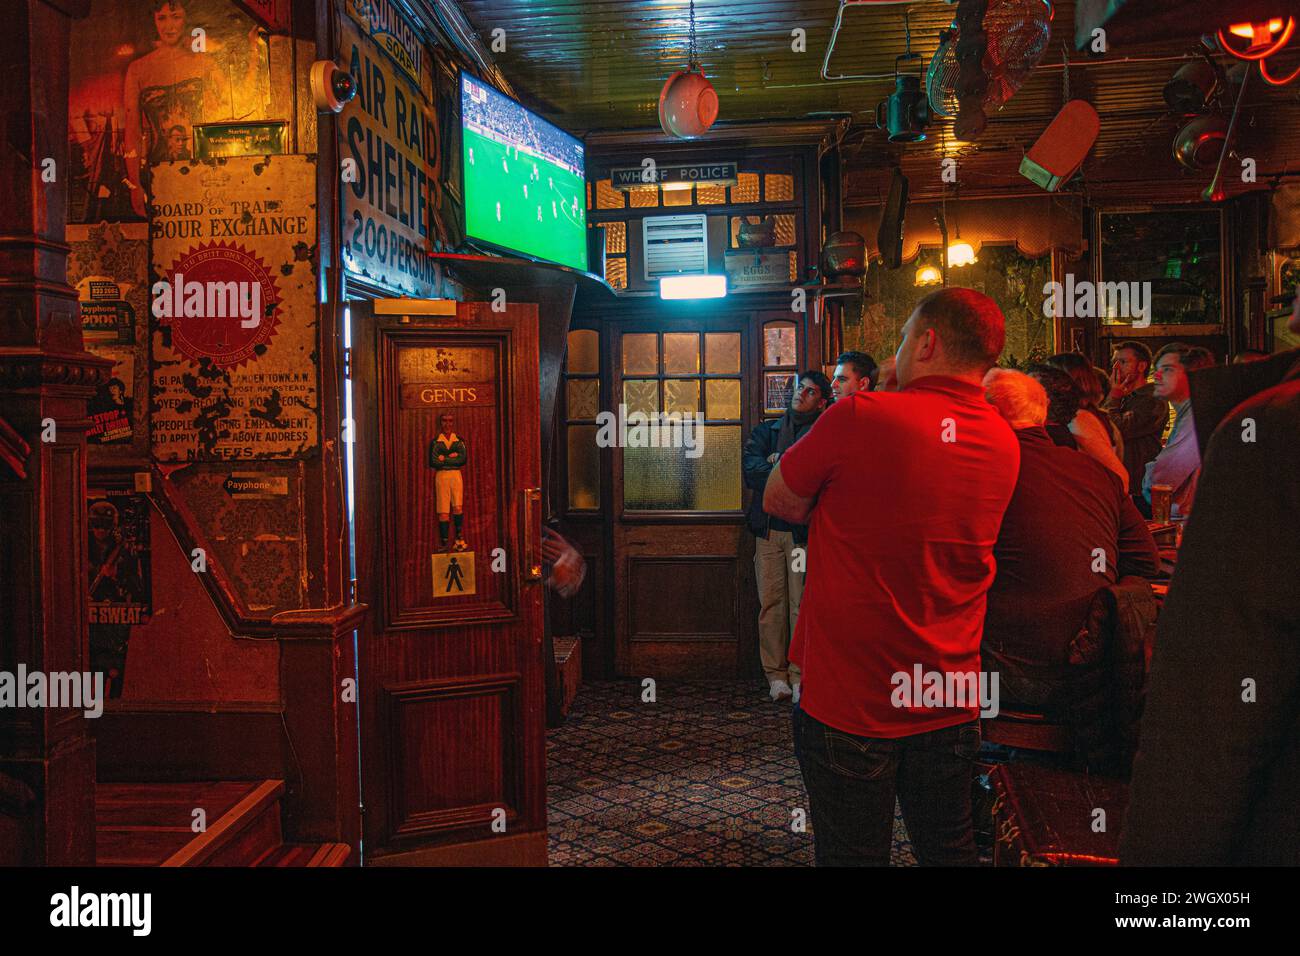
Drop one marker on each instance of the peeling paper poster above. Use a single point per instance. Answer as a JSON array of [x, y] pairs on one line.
[[233, 309]]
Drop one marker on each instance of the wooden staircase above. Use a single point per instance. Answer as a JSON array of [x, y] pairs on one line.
[[152, 824]]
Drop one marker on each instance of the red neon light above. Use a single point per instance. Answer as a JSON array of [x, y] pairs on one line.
[[1254, 52]]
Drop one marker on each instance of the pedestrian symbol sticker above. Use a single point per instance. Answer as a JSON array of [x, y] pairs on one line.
[[453, 574]]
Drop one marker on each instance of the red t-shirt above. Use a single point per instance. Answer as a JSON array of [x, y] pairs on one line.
[[911, 487]]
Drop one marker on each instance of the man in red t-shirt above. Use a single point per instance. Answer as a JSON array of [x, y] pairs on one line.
[[888, 637]]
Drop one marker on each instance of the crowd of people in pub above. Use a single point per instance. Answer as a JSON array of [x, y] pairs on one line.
[[938, 515]]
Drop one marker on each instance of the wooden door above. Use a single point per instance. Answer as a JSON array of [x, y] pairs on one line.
[[451, 668], [683, 561]]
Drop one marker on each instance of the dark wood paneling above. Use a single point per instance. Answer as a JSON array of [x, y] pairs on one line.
[[410, 801], [411, 513], [161, 746], [683, 597], [436, 788], [524, 849]]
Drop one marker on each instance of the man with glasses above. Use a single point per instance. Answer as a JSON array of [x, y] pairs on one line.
[[779, 559]]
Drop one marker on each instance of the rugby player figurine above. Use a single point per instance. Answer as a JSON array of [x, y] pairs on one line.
[[447, 458]]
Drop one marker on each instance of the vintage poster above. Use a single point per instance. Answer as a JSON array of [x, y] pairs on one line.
[[141, 78], [778, 391], [395, 206], [112, 408], [109, 268], [120, 587], [233, 309]]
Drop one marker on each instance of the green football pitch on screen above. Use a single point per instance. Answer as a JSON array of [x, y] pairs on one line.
[[523, 202]]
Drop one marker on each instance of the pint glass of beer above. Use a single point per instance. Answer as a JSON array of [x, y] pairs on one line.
[[1162, 497]]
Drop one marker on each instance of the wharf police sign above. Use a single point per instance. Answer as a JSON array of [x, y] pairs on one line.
[[390, 150], [715, 174]]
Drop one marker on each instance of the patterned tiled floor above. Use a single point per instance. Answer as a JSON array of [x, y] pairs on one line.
[[705, 776]]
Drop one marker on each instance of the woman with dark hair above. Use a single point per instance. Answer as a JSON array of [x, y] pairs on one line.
[[1062, 402], [1094, 386], [1091, 427]]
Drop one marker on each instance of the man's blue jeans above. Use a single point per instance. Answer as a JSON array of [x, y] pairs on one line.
[[852, 782]]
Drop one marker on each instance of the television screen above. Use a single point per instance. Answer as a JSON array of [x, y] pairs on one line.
[[525, 186]]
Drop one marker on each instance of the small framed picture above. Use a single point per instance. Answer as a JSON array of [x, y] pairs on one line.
[[778, 390]]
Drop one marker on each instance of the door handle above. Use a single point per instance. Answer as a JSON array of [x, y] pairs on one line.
[[532, 534]]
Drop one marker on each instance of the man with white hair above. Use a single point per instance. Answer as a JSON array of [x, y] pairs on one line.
[[1066, 506]]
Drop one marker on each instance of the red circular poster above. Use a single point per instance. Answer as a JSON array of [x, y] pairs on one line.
[[224, 304]]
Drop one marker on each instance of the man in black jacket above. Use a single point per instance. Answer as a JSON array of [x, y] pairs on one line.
[[778, 566], [1139, 415], [1217, 776]]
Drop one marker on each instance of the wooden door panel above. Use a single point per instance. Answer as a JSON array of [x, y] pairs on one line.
[[452, 684], [420, 369], [680, 577]]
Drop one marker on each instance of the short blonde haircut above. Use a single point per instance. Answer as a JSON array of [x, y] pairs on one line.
[[1019, 398]]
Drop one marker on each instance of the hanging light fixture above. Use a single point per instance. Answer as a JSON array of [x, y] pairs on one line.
[[688, 103], [928, 275], [960, 253]]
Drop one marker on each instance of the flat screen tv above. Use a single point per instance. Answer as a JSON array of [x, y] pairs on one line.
[[525, 180]]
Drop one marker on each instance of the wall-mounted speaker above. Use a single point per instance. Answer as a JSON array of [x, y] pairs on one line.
[[1060, 151], [889, 239]]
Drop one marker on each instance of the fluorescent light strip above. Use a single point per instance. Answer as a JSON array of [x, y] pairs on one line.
[[693, 287]]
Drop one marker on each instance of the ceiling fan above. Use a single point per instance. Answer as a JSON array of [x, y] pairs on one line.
[[984, 57]]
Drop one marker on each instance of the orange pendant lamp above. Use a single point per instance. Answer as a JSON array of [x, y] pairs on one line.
[[688, 103]]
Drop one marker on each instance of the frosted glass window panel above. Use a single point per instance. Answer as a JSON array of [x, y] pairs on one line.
[[607, 197], [785, 230], [644, 196], [583, 398], [616, 273], [616, 238], [584, 352], [722, 353], [667, 479], [682, 353], [641, 395], [682, 395], [706, 195], [779, 344], [722, 398], [778, 187], [584, 468], [677, 197], [641, 353], [746, 188], [716, 484], [794, 267]]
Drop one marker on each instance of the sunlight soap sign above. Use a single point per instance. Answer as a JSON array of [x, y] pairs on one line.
[[233, 309], [393, 199]]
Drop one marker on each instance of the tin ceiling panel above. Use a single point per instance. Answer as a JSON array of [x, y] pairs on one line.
[[600, 65]]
